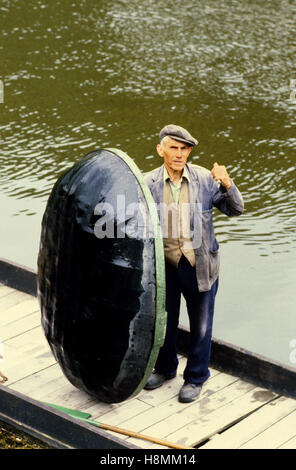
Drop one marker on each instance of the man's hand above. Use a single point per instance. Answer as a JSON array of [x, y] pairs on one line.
[[219, 172]]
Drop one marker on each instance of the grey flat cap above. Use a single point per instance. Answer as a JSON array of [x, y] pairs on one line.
[[177, 133]]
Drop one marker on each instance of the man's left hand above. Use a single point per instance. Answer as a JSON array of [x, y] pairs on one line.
[[219, 173]]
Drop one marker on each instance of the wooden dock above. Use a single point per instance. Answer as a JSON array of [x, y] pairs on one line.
[[231, 413]]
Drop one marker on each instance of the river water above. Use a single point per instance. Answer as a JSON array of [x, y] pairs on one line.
[[83, 75]]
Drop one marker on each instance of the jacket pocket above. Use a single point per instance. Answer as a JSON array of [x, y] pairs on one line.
[[214, 261], [215, 247]]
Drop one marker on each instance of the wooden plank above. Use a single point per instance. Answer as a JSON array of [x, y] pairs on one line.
[[114, 413], [5, 290], [11, 299], [169, 390], [139, 442], [204, 427], [52, 425], [98, 408], [162, 394], [145, 444], [24, 346], [204, 406], [228, 357], [28, 365], [18, 327], [127, 405], [257, 416], [9, 353], [16, 360], [118, 411], [172, 406], [58, 390], [276, 435], [67, 395], [28, 338], [18, 311], [51, 390], [125, 412], [15, 357], [262, 371], [290, 444], [252, 425], [46, 377]]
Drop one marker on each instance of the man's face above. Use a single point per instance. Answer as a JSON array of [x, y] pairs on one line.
[[174, 153]]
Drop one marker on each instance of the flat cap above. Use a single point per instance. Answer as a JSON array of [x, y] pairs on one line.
[[177, 133]]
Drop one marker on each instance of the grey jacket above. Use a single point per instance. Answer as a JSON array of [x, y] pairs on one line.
[[204, 194]]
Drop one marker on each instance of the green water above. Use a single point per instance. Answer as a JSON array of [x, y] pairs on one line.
[[90, 74]]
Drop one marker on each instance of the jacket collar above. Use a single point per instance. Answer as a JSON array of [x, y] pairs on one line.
[[185, 174], [157, 188]]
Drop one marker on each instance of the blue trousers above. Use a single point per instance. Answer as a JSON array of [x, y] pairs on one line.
[[200, 308]]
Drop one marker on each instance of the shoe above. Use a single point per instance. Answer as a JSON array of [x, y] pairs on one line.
[[156, 380], [189, 392]]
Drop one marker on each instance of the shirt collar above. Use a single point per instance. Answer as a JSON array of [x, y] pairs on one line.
[[184, 174]]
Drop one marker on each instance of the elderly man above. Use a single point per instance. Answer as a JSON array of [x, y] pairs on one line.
[[191, 252]]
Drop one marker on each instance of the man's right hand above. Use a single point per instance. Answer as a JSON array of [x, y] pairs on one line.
[[219, 173]]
